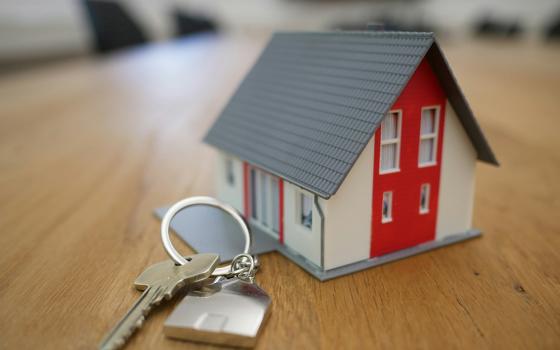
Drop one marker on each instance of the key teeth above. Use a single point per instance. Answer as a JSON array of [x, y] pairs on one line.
[[152, 296], [120, 342]]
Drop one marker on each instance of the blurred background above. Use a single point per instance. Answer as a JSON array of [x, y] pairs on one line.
[[35, 32], [103, 108]]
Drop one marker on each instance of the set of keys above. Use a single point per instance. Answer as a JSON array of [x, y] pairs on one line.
[[223, 305]]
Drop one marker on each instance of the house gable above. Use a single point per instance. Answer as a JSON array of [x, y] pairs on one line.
[[312, 101], [460, 105], [457, 183], [408, 226]]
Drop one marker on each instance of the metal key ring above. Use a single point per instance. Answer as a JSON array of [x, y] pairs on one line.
[[192, 201]]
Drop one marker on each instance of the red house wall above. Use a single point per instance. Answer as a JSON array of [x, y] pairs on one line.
[[408, 227]]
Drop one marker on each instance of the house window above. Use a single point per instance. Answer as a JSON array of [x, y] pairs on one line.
[[264, 189], [230, 176], [387, 207], [390, 142], [424, 198], [253, 179], [265, 199], [305, 210], [275, 204], [428, 136]]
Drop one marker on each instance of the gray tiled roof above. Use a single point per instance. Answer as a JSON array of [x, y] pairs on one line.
[[312, 101]]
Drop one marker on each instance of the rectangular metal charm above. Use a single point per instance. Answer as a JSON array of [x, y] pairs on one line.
[[229, 312]]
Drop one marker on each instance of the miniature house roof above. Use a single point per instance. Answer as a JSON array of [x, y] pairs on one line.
[[312, 101]]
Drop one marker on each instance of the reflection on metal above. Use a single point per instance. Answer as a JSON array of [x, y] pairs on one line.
[[226, 312]]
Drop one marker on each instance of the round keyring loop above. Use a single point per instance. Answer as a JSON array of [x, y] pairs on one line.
[[192, 201]]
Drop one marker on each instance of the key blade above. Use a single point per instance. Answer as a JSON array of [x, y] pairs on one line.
[[198, 268], [159, 281], [131, 321]]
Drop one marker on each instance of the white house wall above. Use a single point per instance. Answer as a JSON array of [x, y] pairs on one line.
[[456, 192], [348, 219], [232, 194], [304, 241]]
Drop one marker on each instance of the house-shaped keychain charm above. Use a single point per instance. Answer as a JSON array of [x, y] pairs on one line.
[[230, 312], [350, 149]]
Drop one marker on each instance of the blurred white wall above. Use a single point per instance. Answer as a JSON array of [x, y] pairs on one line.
[[40, 29], [36, 29]]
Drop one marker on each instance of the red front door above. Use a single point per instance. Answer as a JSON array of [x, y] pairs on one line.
[[407, 162]]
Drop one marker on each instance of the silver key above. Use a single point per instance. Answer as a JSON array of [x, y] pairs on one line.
[[160, 281]]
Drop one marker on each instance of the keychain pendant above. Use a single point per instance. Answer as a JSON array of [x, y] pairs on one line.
[[228, 312]]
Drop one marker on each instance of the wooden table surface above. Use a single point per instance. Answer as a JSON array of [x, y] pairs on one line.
[[89, 147]]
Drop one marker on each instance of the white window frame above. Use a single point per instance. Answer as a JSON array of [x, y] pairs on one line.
[[299, 206], [389, 217], [433, 136], [396, 141], [275, 204], [264, 202], [426, 208], [254, 195]]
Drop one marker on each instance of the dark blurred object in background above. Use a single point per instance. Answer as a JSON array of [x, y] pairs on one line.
[[112, 26], [387, 23], [186, 24], [38, 32], [488, 27], [552, 31]]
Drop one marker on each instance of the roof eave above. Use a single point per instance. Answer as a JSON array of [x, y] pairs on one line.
[[322, 194], [458, 101]]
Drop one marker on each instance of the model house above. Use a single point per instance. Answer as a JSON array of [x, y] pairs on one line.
[[351, 148]]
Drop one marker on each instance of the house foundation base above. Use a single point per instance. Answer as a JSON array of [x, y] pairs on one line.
[[324, 275], [203, 228]]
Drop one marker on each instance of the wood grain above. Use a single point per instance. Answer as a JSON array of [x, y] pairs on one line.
[[89, 148]]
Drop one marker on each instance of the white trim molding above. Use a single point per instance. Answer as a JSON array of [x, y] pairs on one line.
[[396, 141], [429, 136]]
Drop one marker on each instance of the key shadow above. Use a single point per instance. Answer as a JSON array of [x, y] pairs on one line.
[[210, 230]]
